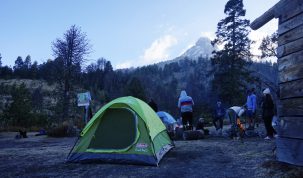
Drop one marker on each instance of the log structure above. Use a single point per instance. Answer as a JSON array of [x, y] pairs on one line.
[[290, 62]]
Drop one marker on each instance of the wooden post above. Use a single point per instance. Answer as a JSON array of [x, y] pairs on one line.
[[290, 66]]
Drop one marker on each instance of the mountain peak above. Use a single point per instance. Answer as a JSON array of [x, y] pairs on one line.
[[202, 41], [202, 48]]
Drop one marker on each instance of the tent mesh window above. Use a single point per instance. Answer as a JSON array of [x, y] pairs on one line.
[[117, 130]]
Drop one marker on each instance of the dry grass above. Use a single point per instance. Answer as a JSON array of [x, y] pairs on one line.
[[32, 84]]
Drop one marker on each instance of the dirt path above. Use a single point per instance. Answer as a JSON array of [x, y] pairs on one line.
[[211, 157]]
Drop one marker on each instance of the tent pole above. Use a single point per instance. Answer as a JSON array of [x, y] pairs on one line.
[[72, 148]]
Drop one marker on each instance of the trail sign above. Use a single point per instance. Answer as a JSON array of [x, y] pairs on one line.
[[83, 99]]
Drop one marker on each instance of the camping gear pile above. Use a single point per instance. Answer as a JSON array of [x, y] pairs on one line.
[[193, 135], [238, 122], [22, 134], [176, 131]]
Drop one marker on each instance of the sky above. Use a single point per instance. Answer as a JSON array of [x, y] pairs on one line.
[[128, 33]]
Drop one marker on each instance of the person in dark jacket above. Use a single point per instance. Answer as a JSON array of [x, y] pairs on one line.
[[268, 111], [200, 126], [153, 105]]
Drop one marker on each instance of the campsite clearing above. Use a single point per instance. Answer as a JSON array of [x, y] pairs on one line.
[[212, 157]]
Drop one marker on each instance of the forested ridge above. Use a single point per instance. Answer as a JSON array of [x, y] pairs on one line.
[[162, 84]]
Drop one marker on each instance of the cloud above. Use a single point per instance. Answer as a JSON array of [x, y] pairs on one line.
[[259, 34], [210, 35], [124, 65], [159, 50], [257, 37]]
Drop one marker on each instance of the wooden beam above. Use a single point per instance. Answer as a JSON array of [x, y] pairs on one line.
[[290, 24], [289, 48], [291, 35], [282, 7], [290, 60], [262, 20], [291, 107], [294, 72], [290, 150], [291, 127], [291, 9]]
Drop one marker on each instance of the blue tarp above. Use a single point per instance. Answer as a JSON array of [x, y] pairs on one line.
[[166, 118]]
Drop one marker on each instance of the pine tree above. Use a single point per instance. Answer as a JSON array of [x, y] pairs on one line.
[[33, 71], [230, 64], [269, 45], [19, 111], [134, 88], [0, 60], [108, 67], [27, 62], [70, 52], [18, 67], [27, 67]]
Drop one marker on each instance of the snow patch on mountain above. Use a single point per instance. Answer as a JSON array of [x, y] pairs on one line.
[[202, 48]]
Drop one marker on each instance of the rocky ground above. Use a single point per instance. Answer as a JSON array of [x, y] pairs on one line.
[[211, 157]]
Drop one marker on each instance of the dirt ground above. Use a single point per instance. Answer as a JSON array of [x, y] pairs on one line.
[[211, 157]]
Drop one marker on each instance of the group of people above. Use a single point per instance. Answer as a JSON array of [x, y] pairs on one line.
[[186, 103]]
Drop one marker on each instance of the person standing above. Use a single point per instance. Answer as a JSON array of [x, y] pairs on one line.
[[219, 116], [185, 105], [268, 111], [251, 104], [254, 99], [153, 105]]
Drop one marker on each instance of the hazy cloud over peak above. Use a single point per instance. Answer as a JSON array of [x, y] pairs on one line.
[[159, 49]]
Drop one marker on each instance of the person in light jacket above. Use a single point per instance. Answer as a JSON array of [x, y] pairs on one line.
[[185, 105], [251, 105]]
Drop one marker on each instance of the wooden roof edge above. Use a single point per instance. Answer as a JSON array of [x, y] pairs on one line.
[[273, 12]]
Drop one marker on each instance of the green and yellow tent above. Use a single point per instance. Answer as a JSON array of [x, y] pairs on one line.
[[126, 130]]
